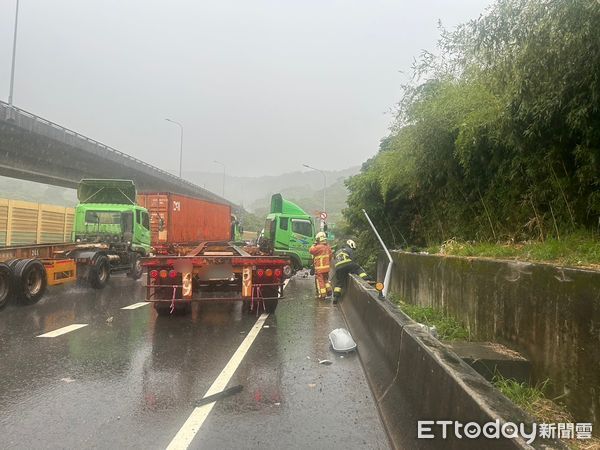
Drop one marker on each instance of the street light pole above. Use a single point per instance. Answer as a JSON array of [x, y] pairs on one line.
[[324, 181], [219, 162], [180, 143], [14, 57]]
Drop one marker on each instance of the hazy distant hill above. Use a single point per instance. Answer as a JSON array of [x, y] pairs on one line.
[[311, 201], [254, 193]]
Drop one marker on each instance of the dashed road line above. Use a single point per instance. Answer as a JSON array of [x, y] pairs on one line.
[[64, 330], [285, 283], [136, 305], [192, 425]]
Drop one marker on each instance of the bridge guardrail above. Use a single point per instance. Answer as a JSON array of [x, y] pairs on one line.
[[13, 113]]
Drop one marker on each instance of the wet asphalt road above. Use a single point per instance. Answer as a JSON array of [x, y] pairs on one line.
[[132, 381]]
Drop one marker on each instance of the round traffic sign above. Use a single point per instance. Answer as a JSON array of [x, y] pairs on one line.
[[323, 215]]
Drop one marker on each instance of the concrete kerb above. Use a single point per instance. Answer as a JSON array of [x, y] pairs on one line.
[[415, 377]]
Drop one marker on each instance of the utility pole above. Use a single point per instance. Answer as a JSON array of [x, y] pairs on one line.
[[324, 181], [180, 143], [14, 57]]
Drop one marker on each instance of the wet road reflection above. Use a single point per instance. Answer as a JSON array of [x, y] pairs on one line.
[[130, 379]]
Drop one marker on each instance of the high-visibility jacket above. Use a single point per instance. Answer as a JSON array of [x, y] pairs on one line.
[[343, 256], [322, 256]]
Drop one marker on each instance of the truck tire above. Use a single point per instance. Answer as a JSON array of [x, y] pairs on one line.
[[30, 280], [137, 270], [5, 284], [296, 264], [11, 263], [270, 303], [99, 272], [164, 308]]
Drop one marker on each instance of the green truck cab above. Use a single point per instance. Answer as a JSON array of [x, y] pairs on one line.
[[289, 231], [107, 213], [111, 231]]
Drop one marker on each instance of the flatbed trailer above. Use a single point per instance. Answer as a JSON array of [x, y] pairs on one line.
[[26, 271], [214, 272]]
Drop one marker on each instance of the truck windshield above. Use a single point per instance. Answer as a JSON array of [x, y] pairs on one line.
[[270, 228], [103, 217]]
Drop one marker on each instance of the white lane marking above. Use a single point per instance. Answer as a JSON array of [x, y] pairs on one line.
[[136, 305], [64, 330], [285, 283], [186, 433]]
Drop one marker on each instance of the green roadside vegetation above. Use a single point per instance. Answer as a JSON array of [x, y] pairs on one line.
[[448, 328], [496, 139], [534, 401], [576, 250]]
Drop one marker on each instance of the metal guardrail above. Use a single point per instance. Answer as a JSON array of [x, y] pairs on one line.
[[12, 114]]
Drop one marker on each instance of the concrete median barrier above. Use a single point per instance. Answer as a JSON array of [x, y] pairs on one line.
[[414, 377]]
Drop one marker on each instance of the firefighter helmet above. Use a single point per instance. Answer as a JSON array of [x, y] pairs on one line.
[[321, 237], [350, 243]]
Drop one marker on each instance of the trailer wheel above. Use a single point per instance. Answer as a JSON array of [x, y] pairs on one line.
[[99, 272], [137, 270], [5, 284], [270, 303], [11, 263], [31, 280], [164, 308]]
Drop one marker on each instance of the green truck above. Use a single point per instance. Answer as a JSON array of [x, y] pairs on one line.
[[107, 215], [289, 231]]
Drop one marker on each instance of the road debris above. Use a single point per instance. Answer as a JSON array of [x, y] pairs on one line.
[[341, 340], [67, 380], [219, 395], [110, 319], [325, 362]]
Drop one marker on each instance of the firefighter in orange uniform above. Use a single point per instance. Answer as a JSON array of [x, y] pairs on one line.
[[322, 257]]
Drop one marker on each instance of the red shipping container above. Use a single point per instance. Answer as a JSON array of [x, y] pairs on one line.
[[185, 220]]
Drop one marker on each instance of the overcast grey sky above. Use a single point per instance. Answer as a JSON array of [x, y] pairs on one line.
[[261, 85]]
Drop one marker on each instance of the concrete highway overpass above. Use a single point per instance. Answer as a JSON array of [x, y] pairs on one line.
[[36, 149]]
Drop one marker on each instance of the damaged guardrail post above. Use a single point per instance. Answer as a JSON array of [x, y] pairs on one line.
[[388, 272]]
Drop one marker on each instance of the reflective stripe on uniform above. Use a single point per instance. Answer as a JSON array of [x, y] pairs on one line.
[[342, 258], [337, 289], [322, 262]]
